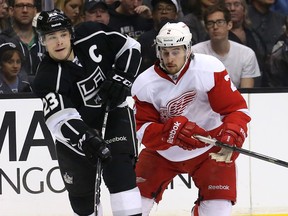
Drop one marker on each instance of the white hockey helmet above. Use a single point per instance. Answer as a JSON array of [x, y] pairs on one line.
[[173, 34]]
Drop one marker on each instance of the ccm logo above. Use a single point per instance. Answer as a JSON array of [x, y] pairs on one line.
[[122, 80]]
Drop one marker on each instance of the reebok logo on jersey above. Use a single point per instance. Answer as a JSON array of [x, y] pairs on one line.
[[218, 187], [173, 132], [117, 139]]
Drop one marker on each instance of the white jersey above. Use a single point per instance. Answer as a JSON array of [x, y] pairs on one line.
[[202, 93], [240, 61]]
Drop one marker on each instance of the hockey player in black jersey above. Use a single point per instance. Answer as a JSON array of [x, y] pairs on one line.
[[81, 72]]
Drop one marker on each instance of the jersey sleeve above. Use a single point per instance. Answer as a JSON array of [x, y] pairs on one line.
[[128, 59], [148, 126], [125, 50], [61, 116], [226, 100]]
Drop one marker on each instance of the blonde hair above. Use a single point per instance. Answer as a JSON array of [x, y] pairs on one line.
[[246, 22], [60, 4]]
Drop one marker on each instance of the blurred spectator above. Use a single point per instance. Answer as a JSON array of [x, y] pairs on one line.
[[197, 7], [266, 23], [72, 9], [109, 2], [162, 11], [208, 3], [96, 11], [179, 3], [10, 65], [278, 76], [47, 5], [130, 17], [280, 6], [196, 28], [180, 10], [239, 60], [4, 21], [269, 25], [187, 6], [242, 32], [193, 18], [23, 35], [5, 12]]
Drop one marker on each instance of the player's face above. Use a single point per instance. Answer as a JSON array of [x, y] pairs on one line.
[[173, 58], [12, 67], [58, 44]]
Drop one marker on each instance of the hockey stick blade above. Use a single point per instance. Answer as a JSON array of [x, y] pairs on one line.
[[242, 151]]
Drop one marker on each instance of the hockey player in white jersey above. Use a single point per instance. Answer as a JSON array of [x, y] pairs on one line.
[[81, 73], [182, 95]]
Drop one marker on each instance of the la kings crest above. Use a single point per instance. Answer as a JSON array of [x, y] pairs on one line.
[[89, 88]]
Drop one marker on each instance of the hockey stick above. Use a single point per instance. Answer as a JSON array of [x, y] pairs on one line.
[[99, 165], [242, 151]]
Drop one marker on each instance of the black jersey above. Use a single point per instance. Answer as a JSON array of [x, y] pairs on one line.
[[69, 89]]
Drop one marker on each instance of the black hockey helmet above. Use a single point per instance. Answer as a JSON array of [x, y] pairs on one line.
[[51, 21]]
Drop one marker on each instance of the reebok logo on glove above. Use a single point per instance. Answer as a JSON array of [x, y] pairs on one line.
[[173, 132], [179, 131], [121, 79]]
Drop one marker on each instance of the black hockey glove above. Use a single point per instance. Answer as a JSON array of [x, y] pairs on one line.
[[95, 147], [115, 88]]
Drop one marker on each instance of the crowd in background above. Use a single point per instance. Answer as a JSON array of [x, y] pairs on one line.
[[251, 39]]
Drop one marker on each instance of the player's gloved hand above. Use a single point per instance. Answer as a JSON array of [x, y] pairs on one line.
[[233, 135], [95, 147], [179, 131], [115, 88]]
